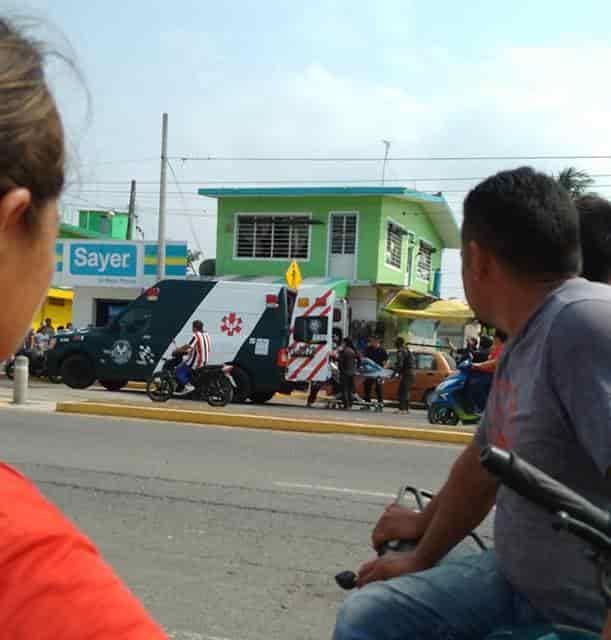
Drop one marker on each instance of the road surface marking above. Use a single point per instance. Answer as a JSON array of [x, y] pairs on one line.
[[320, 487], [192, 635]]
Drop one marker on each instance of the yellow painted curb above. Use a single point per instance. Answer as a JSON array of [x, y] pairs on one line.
[[253, 421]]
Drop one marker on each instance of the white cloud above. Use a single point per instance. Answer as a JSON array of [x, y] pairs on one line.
[[519, 101]]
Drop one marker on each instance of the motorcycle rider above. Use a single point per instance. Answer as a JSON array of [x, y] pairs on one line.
[[197, 355], [526, 284]]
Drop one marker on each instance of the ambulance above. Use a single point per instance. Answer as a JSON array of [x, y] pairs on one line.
[[277, 339]]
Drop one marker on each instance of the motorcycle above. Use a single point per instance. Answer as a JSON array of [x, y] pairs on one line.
[[460, 397], [573, 514], [213, 384]]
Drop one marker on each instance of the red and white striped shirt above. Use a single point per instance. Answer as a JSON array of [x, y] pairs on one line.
[[199, 350]]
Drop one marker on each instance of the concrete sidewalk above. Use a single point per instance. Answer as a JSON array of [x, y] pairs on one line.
[[285, 413]]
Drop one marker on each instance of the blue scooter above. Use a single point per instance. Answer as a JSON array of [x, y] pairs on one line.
[[461, 397]]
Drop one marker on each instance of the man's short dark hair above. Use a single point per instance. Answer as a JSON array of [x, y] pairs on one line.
[[595, 229], [527, 220], [198, 325]]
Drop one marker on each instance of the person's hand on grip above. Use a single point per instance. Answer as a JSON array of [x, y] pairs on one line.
[[391, 565], [397, 523]]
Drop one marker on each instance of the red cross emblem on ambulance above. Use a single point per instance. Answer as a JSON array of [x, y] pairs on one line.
[[231, 324]]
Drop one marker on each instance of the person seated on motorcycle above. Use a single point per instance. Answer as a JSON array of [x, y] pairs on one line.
[[197, 354], [55, 584], [550, 402], [489, 365]]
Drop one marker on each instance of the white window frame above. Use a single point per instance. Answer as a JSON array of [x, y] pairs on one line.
[[426, 243], [411, 241], [352, 212], [390, 221], [272, 214]]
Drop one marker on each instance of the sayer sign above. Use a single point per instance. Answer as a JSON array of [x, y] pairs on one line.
[[114, 260]]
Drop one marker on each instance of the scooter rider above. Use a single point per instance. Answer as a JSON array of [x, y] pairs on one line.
[[197, 354], [560, 344]]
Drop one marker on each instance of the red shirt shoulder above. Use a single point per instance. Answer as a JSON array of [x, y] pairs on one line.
[[55, 585]]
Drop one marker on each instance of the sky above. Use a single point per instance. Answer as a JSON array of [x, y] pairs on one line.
[[278, 78]]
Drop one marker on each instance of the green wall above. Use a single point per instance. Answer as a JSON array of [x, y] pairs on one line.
[[374, 214], [411, 217], [96, 221], [368, 209]]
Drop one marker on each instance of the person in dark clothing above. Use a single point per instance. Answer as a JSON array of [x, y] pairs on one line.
[[378, 354], [485, 345], [347, 361], [405, 369]]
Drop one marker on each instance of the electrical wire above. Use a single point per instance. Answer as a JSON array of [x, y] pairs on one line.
[[468, 158]]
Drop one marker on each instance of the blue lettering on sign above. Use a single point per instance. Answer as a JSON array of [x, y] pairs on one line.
[[103, 260]]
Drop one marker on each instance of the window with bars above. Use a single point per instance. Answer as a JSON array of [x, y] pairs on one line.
[[343, 234], [394, 245], [424, 266], [272, 237]]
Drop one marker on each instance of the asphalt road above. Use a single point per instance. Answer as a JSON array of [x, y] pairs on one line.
[[224, 533]]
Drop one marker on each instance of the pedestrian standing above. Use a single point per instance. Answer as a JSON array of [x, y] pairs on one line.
[[47, 328], [378, 354], [347, 367], [405, 370]]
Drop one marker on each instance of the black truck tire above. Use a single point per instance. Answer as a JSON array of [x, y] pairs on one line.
[[77, 371], [243, 384], [261, 397], [113, 385]]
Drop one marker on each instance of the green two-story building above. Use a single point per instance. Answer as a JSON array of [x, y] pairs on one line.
[[378, 241]]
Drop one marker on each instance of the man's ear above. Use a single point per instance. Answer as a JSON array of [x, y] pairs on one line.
[[13, 207], [479, 261]]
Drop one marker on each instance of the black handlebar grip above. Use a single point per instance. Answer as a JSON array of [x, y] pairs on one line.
[[543, 490]]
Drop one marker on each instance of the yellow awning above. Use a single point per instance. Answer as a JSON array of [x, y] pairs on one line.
[[452, 311], [62, 294]]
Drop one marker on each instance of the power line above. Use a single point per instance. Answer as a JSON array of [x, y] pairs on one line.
[[471, 158], [193, 232], [308, 181]]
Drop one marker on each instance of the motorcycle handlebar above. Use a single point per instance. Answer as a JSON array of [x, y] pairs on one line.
[[538, 487]]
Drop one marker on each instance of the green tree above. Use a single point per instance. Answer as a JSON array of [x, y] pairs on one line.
[[576, 182], [192, 258]]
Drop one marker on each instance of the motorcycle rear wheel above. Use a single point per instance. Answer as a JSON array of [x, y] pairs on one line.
[[219, 392], [160, 387], [443, 415]]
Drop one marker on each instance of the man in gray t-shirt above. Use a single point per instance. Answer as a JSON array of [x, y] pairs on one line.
[[551, 402]]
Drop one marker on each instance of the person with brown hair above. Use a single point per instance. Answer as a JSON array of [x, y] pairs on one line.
[[55, 585]]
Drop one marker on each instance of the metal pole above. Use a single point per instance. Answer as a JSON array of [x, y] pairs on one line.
[[20, 382], [386, 150], [131, 211], [162, 194]]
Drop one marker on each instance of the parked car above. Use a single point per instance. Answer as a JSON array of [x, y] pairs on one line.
[[430, 368]]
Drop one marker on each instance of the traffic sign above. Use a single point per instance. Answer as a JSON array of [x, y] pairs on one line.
[[293, 275]]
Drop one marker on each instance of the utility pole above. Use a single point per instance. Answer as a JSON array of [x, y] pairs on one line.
[[131, 212], [162, 197], [386, 150]]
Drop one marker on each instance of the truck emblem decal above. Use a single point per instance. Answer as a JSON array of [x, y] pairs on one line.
[[231, 324], [145, 355], [121, 352]]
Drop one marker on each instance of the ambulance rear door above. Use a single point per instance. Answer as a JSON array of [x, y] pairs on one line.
[[311, 335]]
